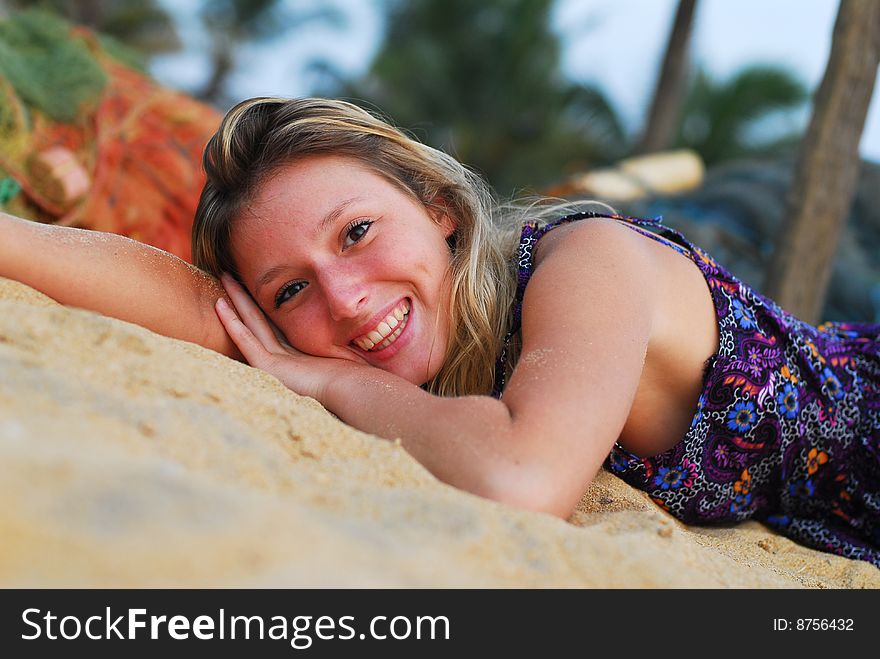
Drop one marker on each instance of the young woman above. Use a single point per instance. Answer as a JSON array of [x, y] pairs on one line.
[[512, 351]]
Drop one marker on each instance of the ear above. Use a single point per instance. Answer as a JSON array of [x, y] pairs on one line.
[[442, 215], [448, 225]]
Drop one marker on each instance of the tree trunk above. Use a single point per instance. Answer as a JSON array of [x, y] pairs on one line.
[[663, 118], [222, 63], [821, 193]]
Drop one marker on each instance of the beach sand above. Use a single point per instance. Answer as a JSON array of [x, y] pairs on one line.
[[128, 459]]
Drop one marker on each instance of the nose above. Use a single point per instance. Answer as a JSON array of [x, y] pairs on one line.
[[345, 292]]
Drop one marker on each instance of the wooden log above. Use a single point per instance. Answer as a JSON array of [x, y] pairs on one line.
[[669, 172], [59, 176]]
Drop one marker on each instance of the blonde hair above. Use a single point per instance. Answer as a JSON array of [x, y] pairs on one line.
[[260, 135]]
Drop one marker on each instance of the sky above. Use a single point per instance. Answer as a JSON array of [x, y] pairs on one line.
[[616, 44]]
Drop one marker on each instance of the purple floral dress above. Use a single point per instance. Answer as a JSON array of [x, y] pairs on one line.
[[787, 428]]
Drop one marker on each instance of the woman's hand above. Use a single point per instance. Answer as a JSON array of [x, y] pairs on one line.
[[264, 347]]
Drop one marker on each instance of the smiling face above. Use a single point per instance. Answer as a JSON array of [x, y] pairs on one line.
[[348, 265]]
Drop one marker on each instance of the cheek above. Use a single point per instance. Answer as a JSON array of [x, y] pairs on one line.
[[305, 332], [438, 270]]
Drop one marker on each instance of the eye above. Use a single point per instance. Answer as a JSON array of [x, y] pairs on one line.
[[356, 230], [288, 291]]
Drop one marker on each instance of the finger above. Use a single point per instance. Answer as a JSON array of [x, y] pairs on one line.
[[251, 315], [254, 317], [282, 340], [250, 346]]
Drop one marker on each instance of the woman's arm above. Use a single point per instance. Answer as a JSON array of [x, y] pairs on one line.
[[587, 320], [115, 276]]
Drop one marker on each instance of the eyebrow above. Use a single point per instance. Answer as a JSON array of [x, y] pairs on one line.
[[334, 214], [328, 220]]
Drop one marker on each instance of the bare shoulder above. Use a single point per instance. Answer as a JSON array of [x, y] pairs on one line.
[[669, 283], [601, 237], [602, 261], [591, 276], [587, 320], [617, 295]]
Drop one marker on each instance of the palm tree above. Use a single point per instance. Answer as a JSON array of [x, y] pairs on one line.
[[718, 115], [820, 197], [482, 80], [143, 26], [231, 23], [663, 117]]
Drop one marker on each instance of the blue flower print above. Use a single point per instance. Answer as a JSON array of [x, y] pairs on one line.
[[802, 489], [788, 401], [740, 502], [744, 315], [778, 520], [618, 462], [669, 478], [832, 384], [742, 416], [701, 403]]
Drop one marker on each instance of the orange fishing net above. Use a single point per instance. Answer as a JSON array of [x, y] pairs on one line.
[[128, 163]]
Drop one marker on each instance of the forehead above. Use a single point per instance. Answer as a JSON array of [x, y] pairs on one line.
[[313, 184], [293, 207], [304, 192]]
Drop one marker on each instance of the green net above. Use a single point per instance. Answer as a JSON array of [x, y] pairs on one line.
[[86, 139], [48, 70]]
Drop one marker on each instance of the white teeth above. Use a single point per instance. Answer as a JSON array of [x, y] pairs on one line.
[[387, 342], [387, 331]]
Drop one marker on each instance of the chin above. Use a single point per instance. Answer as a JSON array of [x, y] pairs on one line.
[[412, 375], [418, 380]]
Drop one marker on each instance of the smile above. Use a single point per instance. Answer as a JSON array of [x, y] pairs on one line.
[[387, 330]]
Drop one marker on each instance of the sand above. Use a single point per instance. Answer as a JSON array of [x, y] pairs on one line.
[[128, 459]]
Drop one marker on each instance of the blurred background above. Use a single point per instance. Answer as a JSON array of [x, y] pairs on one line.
[[540, 96]]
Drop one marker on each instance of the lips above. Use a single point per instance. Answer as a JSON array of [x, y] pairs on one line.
[[386, 331]]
